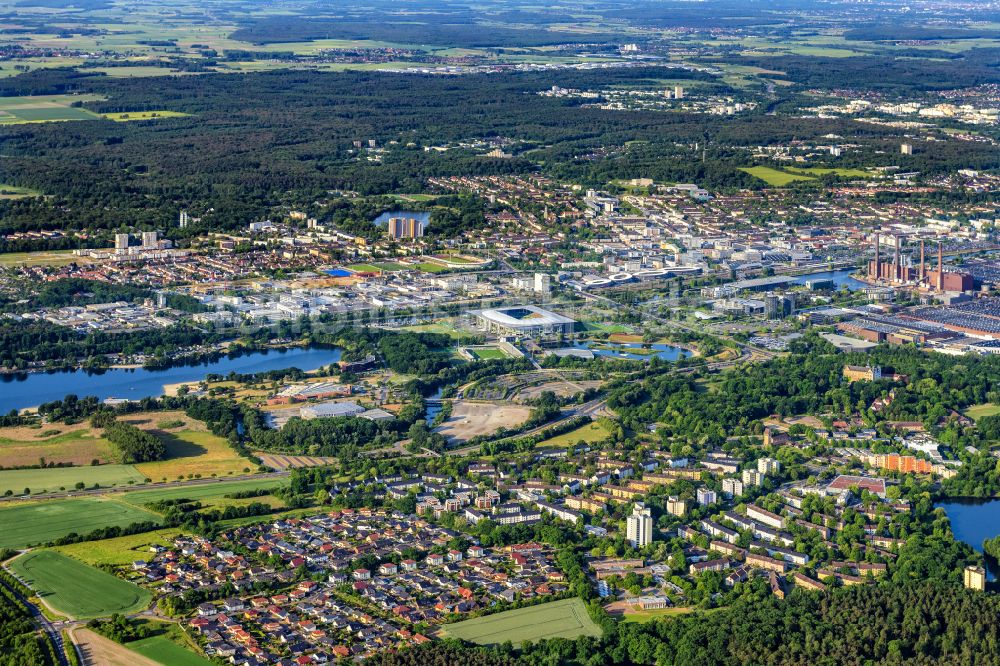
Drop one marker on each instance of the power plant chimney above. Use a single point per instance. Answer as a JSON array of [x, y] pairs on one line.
[[921, 261], [878, 260], [895, 261], [940, 275]]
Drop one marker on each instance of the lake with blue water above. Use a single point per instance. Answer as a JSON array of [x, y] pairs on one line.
[[634, 351], [973, 521], [384, 217], [841, 278], [33, 389]]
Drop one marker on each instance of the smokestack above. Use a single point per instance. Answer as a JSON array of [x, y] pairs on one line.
[[895, 260], [878, 260], [921, 261], [940, 275]]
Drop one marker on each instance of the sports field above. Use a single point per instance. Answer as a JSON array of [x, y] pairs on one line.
[[374, 268], [487, 353], [428, 267], [56, 478], [72, 588], [44, 521], [567, 618]]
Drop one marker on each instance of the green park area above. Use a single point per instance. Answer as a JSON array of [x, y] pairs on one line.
[[74, 589], [977, 412], [590, 433], [567, 618], [44, 521], [775, 177], [787, 175]]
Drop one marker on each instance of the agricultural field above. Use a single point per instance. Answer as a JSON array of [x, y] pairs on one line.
[[567, 618], [80, 445], [120, 551], [209, 494], [977, 412], [104, 651], [53, 479], [775, 177], [592, 432], [44, 109], [43, 521], [143, 115], [192, 450], [76, 590], [469, 419], [282, 462]]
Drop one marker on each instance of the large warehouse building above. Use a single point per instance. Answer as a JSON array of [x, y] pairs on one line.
[[524, 320]]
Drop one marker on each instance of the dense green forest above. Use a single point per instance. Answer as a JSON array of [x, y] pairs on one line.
[[23, 342], [292, 140], [899, 624], [809, 381], [131, 444]]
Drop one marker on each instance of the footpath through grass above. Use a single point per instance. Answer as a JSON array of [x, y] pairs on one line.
[[567, 618], [47, 520], [74, 589]]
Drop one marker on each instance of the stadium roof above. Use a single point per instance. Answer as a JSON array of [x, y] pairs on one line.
[[524, 316]]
